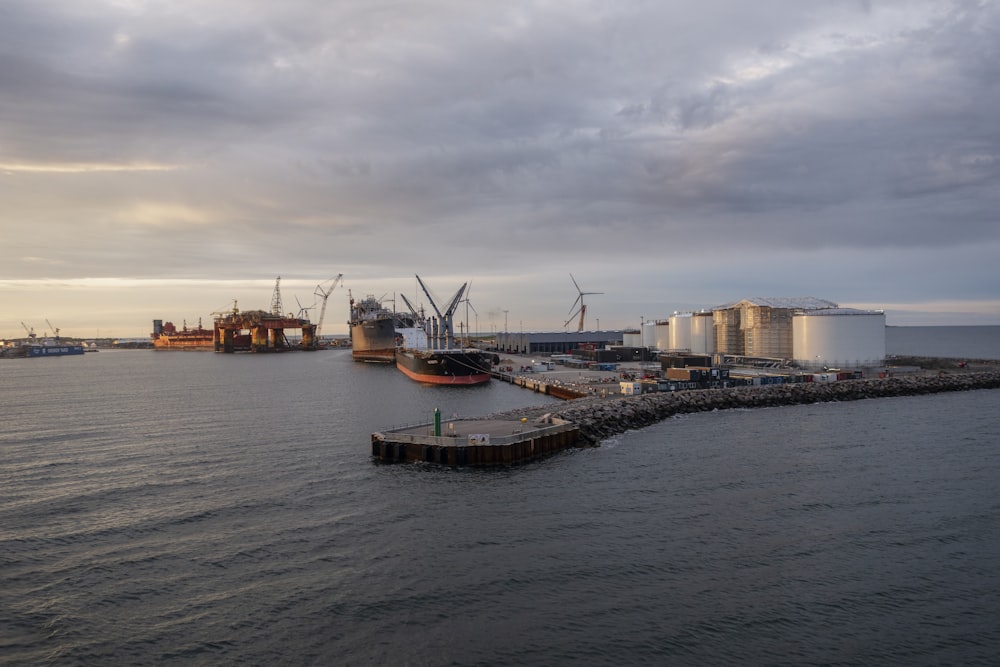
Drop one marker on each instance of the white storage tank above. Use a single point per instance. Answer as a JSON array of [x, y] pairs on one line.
[[648, 334], [702, 334], [661, 336], [838, 338], [680, 332]]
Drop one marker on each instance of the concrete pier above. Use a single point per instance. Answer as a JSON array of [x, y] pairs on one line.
[[540, 385], [475, 442], [598, 419], [528, 433]]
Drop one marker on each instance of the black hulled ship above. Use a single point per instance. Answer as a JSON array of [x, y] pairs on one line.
[[428, 351]]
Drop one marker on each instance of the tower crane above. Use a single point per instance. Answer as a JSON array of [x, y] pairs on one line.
[[324, 293]]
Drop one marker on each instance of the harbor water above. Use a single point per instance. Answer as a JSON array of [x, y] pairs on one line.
[[191, 508]]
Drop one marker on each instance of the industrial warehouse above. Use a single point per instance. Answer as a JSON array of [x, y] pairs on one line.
[[803, 332]]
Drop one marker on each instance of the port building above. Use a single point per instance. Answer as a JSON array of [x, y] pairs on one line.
[[555, 342]]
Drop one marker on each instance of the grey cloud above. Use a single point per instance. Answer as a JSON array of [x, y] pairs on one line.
[[526, 137]]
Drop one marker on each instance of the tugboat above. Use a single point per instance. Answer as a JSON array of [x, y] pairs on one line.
[[429, 353]]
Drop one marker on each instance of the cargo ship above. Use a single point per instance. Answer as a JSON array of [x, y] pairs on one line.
[[428, 351], [54, 349], [166, 336], [455, 366], [373, 330]]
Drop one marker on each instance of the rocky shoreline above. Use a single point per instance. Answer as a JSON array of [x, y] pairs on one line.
[[600, 418]]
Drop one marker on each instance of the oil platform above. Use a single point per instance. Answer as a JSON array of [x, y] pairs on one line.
[[264, 331]]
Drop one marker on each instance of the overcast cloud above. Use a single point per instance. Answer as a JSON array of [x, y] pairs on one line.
[[161, 159]]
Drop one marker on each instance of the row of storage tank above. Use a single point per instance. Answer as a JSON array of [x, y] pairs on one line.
[[841, 336]]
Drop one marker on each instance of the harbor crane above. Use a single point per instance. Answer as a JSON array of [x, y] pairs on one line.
[[55, 330], [445, 318], [582, 310], [323, 293], [30, 330]]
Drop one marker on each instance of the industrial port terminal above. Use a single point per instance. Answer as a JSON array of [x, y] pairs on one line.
[[749, 353]]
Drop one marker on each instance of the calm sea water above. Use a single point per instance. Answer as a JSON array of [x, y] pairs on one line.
[[194, 508], [976, 342]]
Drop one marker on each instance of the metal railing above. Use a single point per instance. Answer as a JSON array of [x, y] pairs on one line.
[[527, 433]]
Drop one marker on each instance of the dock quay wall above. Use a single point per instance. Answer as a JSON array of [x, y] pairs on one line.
[[540, 386], [535, 442], [598, 419]]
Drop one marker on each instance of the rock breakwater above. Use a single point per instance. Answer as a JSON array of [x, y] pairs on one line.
[[601, 418]]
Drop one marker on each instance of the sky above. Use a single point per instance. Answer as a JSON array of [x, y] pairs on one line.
[[167, 159]]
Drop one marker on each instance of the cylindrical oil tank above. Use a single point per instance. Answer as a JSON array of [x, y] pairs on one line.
[[661, 335], [648, 333], [680, 331], [702, 334], [838, 338]]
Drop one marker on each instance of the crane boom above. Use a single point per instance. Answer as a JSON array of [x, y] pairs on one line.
[[324, 293]]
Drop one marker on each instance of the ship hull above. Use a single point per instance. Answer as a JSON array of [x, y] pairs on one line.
[[452, 367], [54, 350], [374, 341], [184, 342]]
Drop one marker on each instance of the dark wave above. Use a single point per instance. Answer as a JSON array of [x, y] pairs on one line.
[[216, 510]]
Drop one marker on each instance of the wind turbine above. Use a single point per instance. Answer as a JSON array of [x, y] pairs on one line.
[[303, 310], [468, 304], [582, 310]]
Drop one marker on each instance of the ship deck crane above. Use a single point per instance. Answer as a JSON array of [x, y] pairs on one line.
[[324, 293]]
